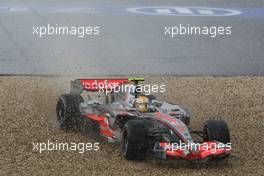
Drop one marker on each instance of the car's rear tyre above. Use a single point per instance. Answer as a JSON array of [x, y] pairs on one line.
[[216, 130], [68, 111], [134, 140]]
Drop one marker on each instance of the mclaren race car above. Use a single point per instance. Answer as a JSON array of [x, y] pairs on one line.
[[143, 125]]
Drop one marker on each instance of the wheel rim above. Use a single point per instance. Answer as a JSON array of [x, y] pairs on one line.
[[206, 134], [60, 113], [125, 145]]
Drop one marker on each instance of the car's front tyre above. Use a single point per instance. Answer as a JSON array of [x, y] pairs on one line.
[[216, 130], [134, 140]]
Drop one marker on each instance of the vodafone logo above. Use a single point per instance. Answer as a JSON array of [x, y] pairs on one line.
[[101, 84], [184, 11]]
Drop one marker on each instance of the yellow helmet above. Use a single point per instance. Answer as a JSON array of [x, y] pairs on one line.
[[141, 104]]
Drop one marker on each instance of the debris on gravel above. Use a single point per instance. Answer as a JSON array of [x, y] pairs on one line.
[[27, 116]]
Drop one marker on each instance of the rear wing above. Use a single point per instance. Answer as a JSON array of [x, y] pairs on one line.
[[78, 85]]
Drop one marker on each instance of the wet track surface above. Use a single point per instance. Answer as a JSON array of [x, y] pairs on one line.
[[131, 43]]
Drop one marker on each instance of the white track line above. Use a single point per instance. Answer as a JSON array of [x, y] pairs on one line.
[[183, 10], [206, 12], [163, 11]]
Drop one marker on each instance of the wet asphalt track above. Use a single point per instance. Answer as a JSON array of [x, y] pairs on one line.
[[129, 43]]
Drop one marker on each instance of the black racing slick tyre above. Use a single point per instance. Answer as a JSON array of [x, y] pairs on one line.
[[134, 140], [216, 130], [68, 111]]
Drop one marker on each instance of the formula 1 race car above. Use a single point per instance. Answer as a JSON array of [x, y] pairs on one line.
[[142, 124]]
